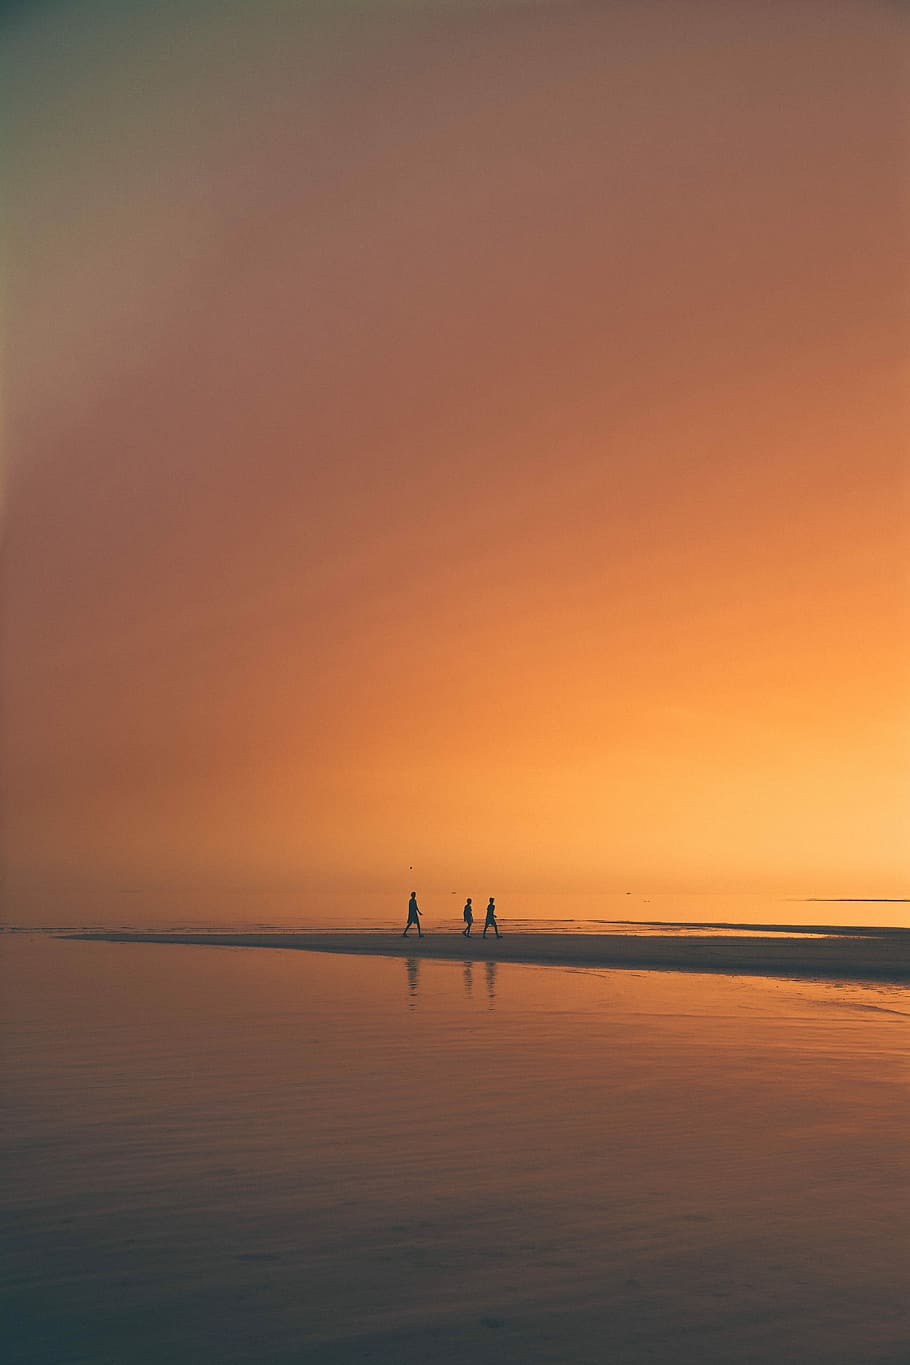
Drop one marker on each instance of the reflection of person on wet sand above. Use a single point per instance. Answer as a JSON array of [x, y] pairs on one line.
[[412, 967], [413, 916], [491, 981], [468, 918], [490, 921]]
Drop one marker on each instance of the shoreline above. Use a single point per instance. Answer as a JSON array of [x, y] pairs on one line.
[[883, 955]]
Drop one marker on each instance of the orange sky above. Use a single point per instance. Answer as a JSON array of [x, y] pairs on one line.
[[455, 436]]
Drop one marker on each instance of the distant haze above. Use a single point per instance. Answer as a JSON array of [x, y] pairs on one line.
[[461, 438]]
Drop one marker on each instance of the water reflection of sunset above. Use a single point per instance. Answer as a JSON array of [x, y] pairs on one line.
[[702, 1169], [456, 446]]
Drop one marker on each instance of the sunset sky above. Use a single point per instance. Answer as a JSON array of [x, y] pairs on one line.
[[468, 436]]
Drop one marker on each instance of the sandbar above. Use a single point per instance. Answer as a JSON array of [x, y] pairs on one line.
[[873, 954]]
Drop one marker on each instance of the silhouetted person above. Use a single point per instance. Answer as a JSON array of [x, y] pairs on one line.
[[490, 921], [413, 916], [468, 918]]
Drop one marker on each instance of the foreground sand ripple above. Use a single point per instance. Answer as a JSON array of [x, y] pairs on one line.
[[876, 954]]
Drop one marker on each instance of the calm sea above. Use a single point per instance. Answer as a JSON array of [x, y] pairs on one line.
[[237, 909], [225, 1155]]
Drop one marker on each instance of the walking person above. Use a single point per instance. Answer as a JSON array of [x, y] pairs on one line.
[[468, 918], [490, 921], [413, 916]]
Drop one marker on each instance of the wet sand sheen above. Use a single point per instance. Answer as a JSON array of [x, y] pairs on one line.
[[879, 954], [259, 1158]]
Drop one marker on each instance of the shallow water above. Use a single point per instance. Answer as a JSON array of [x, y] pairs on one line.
[[221, 1154], [239, 910]]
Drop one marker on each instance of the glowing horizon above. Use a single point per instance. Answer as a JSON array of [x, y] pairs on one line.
[[467, 437]]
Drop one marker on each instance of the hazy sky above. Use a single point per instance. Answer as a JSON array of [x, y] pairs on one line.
[[470, 436]]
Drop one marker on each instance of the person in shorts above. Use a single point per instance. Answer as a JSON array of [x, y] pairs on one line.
[[490, 921], [413, 916]]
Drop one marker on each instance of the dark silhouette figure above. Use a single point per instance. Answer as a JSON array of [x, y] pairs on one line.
[[468, 918], [490, 921], [413, 916]]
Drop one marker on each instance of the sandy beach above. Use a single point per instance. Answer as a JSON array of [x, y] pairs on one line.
[[285, 1156], [861, 954]]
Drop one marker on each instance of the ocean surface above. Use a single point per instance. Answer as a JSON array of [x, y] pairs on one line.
[[246, 910], [238, 1155]]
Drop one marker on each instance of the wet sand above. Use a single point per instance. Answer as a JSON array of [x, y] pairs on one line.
[[259, 1158], [869, 954]]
